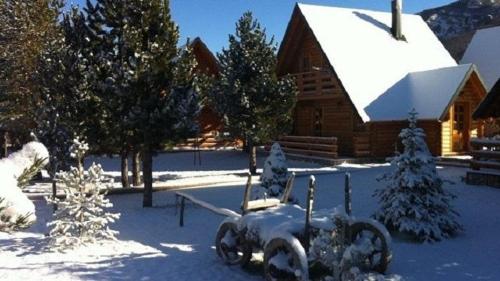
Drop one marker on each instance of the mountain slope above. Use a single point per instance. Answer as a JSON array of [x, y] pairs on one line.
[[456, 23]]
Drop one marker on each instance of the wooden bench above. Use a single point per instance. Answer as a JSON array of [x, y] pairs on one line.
[[485, 155]]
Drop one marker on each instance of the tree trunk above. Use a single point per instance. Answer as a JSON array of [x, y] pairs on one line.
[[53, 168], [136, 168], [5, 145], [147, 168], [54, 193], [252, 158], [245, 146], [124, 168]]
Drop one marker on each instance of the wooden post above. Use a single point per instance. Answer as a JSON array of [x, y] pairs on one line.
[[348, 194], [246, 196], [176, 203], [310, 201], [197, 152], [288, 188], [181, 218]]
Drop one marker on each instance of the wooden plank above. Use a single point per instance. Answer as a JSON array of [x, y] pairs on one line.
[[489, 154], [362, 153], [311, 152], [307, 139], [485, 164], [206, 205], [309, 146], [485, 143], [361, 146], [262, 204]]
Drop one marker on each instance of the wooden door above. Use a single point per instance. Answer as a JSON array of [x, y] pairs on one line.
[[461, 127], [304, 120], [309, 120]]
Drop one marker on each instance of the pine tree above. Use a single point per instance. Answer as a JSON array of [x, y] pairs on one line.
[[165, 102], [108, 19], [63, 78], [80, 218], [414, 201], [275, 174], [27, 27], [255, 104]]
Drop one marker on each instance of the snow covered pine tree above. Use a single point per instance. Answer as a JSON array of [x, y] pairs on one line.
[[255, 104], [16, 210], [414, 201], [80, 217], [274, 176]]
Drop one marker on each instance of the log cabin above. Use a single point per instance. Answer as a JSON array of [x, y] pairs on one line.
[[360, 72], [209, 122]]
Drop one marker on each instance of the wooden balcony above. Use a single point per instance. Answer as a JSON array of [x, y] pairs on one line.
[[316, 85]]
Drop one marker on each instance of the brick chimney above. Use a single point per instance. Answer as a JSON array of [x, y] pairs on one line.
[[397, 29]]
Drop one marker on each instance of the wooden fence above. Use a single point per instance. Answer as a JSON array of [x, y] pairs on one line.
[[319, 148], [485, 164]]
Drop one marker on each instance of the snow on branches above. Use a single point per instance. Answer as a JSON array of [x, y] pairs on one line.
[[274, 176], [414, 201], [80, 217], [16, 210]]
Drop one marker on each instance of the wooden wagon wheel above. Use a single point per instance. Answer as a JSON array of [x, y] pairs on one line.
[[283, 262], [379, 257], [231, 246]]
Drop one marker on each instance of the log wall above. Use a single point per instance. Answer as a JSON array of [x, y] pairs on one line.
[[384, 136], [320, 91]]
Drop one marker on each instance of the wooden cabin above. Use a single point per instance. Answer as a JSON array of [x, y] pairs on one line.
[[209, 121], [359, 77]]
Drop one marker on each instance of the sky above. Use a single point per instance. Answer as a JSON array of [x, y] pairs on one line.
[[214, 20]]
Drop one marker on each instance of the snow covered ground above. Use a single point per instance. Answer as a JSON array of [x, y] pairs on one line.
[[152, 246], [174, 170]]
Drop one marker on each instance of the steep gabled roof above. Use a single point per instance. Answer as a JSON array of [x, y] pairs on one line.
[[364, 55], [429, 92], [490, 106], [203, 52], [484, 51]]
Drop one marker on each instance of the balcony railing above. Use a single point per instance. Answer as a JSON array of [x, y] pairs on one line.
[[316, 84]]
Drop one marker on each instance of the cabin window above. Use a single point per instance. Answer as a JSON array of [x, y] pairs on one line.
[[459, 118], [318, 121]]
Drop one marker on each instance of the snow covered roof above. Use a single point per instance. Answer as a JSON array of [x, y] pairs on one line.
[[429, 92], [484, 51], [365, 56]]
